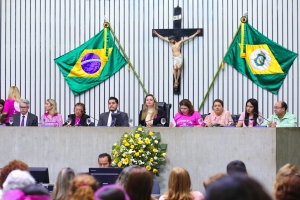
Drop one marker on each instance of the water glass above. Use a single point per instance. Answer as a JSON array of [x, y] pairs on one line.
[[88, 121], [163, 121]]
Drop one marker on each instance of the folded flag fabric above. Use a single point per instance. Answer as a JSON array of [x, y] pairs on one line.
[[259, 58], [91, 63]]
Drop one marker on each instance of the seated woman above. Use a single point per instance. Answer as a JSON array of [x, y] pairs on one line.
[[218, 116], [151, 115], [179, 186], [249, 118], [79, 117], [11, 105], [186, 115], [51, 117], [82, 187]]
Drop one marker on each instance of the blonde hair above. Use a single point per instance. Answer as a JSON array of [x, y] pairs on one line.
[[64, 178], [179, 186], [14, 94], [52, 102], [83, 187], [286, 170], [145, 107]]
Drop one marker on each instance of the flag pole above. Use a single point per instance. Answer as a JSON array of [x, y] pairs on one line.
[[217, 73], [107, 25]]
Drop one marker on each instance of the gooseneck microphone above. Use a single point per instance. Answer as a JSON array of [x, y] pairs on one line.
[[261, 116]]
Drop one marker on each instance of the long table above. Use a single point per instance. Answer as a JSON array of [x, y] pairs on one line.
[[202, 151]]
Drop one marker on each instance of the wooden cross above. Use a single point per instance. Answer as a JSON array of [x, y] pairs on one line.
[[178, 33]]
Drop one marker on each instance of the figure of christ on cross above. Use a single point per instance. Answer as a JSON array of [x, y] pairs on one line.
[[176, 51]]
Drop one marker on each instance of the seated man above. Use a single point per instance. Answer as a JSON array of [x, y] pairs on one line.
[[281, 118], [24, 118], [104, 160], [235, 167], [105, 118]]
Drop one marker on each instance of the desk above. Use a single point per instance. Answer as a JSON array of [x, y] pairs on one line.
[[202, 151]]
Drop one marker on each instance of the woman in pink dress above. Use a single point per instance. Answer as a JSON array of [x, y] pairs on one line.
[[179, 186], [218, 116], [187, 116], [51, 117], [249, 118], [11, 105]]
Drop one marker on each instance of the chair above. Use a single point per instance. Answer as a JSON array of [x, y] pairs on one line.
[[155, 188], [235, 119], [165, 107]]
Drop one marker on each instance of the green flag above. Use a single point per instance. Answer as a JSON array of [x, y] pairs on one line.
[[258, 58], [91, 63]]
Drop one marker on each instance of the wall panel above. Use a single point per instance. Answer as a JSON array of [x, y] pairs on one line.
[[35, 32]]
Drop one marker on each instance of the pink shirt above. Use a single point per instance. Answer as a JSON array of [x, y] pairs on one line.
[[56, 120], [186, 120], [223, 119], [10, 107], [197, 196], [251, 122]]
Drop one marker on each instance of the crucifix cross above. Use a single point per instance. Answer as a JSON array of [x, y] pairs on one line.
[[175, 35]]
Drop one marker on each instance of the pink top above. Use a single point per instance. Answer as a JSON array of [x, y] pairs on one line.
[[251, 122], [185, 120], [56, 119], [224, 119], [77, 121], [10, 107], [197, 196]]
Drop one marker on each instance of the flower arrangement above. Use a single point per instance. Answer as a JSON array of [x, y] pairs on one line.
[[141, 148]]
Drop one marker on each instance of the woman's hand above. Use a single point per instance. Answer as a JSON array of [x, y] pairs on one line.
[[171, 124]]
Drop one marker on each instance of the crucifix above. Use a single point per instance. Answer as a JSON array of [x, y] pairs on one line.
[[176, 42]]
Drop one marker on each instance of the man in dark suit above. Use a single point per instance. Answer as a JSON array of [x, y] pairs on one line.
[[24, 118], [105, 119]]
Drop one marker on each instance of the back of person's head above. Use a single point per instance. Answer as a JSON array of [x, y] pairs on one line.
[[12, 165], [288, 188], [30, 192], [111, 192], [122, 179], [179, 185], [236, 187], [212, 179], [14, 93], [83, 187], [17, 179], [139, 184], [236, 166], [61, 188]]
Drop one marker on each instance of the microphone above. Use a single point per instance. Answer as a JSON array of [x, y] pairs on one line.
[[261, 116], [94, 119]]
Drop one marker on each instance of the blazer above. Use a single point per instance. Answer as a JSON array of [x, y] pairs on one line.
[[156, 121], [32, 120], [103, 118], [82, 120]]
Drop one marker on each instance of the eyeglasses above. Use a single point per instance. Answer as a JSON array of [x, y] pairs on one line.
[[22, 107], [275, 107]]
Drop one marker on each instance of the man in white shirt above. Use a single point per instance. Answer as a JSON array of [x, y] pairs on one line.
[[24, 118], [105, 119]]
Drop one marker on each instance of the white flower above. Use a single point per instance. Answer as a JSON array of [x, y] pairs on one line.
[[115, 144], [155, 158], [143, 155], [144, 146], [155, 141]]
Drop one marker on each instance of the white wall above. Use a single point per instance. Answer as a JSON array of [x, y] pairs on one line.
[[34, 32]]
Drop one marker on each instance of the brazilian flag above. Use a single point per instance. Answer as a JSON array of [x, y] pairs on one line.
[[91, 63], [258, 58]]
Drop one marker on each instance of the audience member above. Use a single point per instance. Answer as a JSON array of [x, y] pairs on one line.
[[249, 118], [236, 187], [218, 116], [83, 187], [212, 179], [25, 118], [287, 169], [122, 179], [139, 184], [104, 160], [179, 186], [51, 117], [11, 166], [17, 179], [281, 118], [2, 119], [11, 105], [186, 115], [30, 192], [236, 166], [151, 114], [62, 185], [79, 117], [288, 188], [111, 192], [105, 118]]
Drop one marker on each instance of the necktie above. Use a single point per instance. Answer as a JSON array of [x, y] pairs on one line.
[[22, 122], [109, 119]]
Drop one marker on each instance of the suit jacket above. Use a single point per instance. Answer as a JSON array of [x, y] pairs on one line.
[[82, 119], [32, 120], [156, 121], [104, 118]]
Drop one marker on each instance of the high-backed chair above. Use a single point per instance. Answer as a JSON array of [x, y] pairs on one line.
[[235, 119], [165, 107]]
